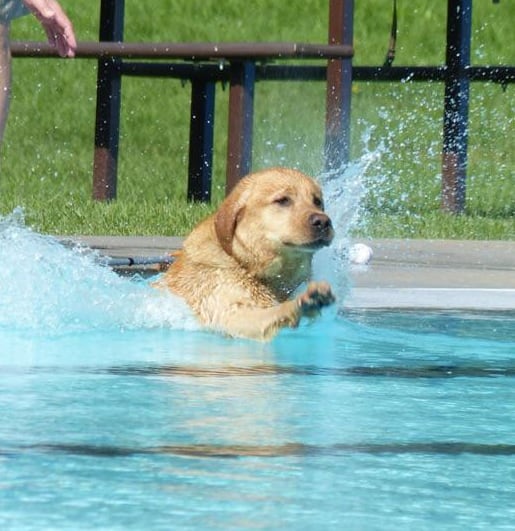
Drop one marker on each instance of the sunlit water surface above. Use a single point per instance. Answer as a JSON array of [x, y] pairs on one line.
[[119, 412]]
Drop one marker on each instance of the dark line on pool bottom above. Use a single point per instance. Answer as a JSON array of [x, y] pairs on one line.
[[284, 450], [429, 371], [193, 371]]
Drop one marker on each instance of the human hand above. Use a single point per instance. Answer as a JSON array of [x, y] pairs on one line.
[[57, 25]]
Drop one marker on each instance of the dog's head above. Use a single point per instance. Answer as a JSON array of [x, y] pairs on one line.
[[271, 217]]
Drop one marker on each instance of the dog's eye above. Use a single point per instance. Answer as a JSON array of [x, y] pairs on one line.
[[283, 200], [318, 202]]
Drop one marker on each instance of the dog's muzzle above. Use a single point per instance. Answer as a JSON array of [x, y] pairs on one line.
[[321, 227]]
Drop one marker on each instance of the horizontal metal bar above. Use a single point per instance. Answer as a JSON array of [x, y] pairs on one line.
[[221, 72], [257, 51], [273, 72], [185, 71], [195, 51], [399, 73], [500, 74], [268, 72]]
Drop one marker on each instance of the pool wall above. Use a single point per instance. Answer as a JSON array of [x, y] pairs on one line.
[[403, 274]]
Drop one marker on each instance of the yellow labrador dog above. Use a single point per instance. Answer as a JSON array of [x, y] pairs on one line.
[[240, 266]]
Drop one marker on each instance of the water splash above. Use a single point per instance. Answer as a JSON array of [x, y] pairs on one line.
[[344, 190], [50, 288]]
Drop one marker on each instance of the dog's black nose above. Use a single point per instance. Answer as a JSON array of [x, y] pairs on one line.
[[320, 222]]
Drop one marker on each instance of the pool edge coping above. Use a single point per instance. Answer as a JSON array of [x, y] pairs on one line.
[[403, 274]]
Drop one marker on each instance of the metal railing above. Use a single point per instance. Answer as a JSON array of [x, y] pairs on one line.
[[200, 64], [242, 68], [456, 74]]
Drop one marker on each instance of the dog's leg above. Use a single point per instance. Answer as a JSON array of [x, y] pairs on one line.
[[263, 323]]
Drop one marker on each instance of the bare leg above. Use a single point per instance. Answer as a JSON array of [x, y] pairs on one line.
[[5, 77]]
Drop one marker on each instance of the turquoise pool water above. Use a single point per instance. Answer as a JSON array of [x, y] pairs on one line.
[[119, 413], [341, 425]]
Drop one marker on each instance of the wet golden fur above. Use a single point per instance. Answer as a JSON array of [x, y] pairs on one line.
[[240, 266]]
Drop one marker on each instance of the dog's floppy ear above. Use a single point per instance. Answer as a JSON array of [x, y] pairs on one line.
[[226, 218]]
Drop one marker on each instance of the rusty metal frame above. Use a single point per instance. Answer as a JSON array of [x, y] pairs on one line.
[[239, 70], [117, 58], [241, 114]]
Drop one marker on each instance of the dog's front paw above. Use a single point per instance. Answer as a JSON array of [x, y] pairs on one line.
[[316, 296]]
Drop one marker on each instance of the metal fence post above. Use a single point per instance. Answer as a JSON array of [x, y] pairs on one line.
[[241, 114], [456, 102], [339, 86], [107, 123], [202, 121]]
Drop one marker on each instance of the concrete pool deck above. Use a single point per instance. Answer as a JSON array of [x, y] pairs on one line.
[[403, 274]]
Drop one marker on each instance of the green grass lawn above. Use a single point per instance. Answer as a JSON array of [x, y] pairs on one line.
[[46, 159]]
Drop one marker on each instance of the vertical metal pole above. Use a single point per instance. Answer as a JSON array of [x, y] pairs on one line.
[[339, 86], [241, 114], [202, 118], [107, 124], [456, 101]]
